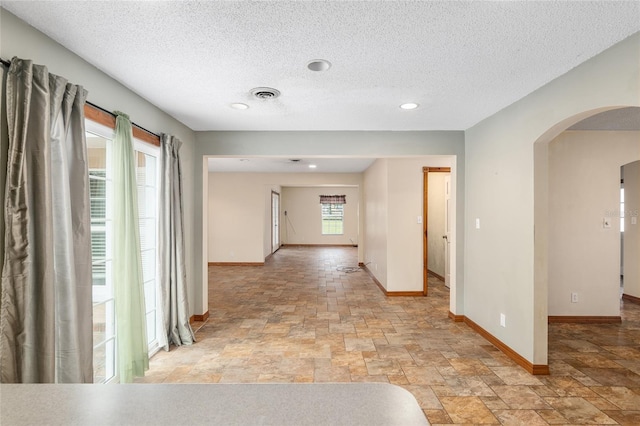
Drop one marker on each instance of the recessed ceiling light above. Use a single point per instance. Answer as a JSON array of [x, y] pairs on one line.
[[409, 105], [239, 106], [319, 65], [312, 166]]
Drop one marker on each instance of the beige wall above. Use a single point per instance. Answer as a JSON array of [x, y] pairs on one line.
[[236, 218], [505, 266], [303, 223], [19, 39], [584, 190], [393, 201], [436, 222], [239, 210], [631, 252], [376, 201]]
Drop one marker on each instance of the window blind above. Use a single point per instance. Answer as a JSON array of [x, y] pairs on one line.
[[333, 199]]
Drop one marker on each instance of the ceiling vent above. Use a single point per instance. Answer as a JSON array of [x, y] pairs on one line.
[[265, 93]]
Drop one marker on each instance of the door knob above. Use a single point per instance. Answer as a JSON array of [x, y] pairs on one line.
[[445, 237]]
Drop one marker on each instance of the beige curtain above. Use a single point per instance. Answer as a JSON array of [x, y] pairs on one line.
[[173, 280], [46, 309]]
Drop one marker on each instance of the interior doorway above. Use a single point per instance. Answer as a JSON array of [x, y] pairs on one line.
[[630, 232], [275, 221], [436, 225]]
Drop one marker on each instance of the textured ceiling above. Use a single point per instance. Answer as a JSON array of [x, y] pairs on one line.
[[461, 61]]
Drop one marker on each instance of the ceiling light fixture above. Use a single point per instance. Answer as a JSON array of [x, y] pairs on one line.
[[319, 65], [312, 166], [409, 106], [239, 106]]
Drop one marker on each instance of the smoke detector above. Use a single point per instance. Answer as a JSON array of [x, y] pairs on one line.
[[265, 93]]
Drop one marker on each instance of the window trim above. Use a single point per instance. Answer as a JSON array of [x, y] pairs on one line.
[[108, 120]]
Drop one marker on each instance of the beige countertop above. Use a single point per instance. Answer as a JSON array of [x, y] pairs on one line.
[[216, 404]]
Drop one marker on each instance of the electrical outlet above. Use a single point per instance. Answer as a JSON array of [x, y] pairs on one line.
[[503, 320], [574, 297]]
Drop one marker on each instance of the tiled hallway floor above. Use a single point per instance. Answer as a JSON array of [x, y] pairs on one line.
[[298, 319]]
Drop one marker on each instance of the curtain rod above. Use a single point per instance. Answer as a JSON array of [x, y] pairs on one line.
[[8, 64], [111, 113]]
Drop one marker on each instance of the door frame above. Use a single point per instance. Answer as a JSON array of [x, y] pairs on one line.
[[273, 224], [425, 221]]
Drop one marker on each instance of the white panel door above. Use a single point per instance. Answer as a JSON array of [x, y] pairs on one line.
[[275, 221], [447, 235]]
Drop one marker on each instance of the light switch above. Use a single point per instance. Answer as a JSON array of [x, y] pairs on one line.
[[419, 219], [634, 220], [477, 223]]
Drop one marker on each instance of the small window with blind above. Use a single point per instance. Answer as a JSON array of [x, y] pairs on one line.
[[332, 207]]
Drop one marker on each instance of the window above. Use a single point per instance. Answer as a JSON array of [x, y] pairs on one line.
[[99, 152], [332, 219], [332, 208]]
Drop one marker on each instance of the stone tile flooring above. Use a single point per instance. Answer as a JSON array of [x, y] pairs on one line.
[[298, 319]]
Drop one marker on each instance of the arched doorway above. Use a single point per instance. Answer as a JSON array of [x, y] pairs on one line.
[[585, 300]]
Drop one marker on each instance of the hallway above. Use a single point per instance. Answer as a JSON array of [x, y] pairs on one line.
[[299, 319]]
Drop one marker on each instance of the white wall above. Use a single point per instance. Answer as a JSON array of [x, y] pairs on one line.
[[303, 223], [499, 257], [584, 189], [436, 224], [19, 39], [376, 232], [632, 230], [239, 206]]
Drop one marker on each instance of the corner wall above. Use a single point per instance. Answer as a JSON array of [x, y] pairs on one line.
[[376, 219], [303, 223], [239, 210], [584, 190], [499, 256]]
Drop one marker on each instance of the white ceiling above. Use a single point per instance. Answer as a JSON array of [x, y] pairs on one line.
[[461, 61]]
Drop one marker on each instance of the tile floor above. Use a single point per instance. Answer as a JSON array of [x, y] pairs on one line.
[[299, 319]]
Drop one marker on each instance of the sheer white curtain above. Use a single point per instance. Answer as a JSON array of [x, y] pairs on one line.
[[46, 313], [175, 307], [131, 327]]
